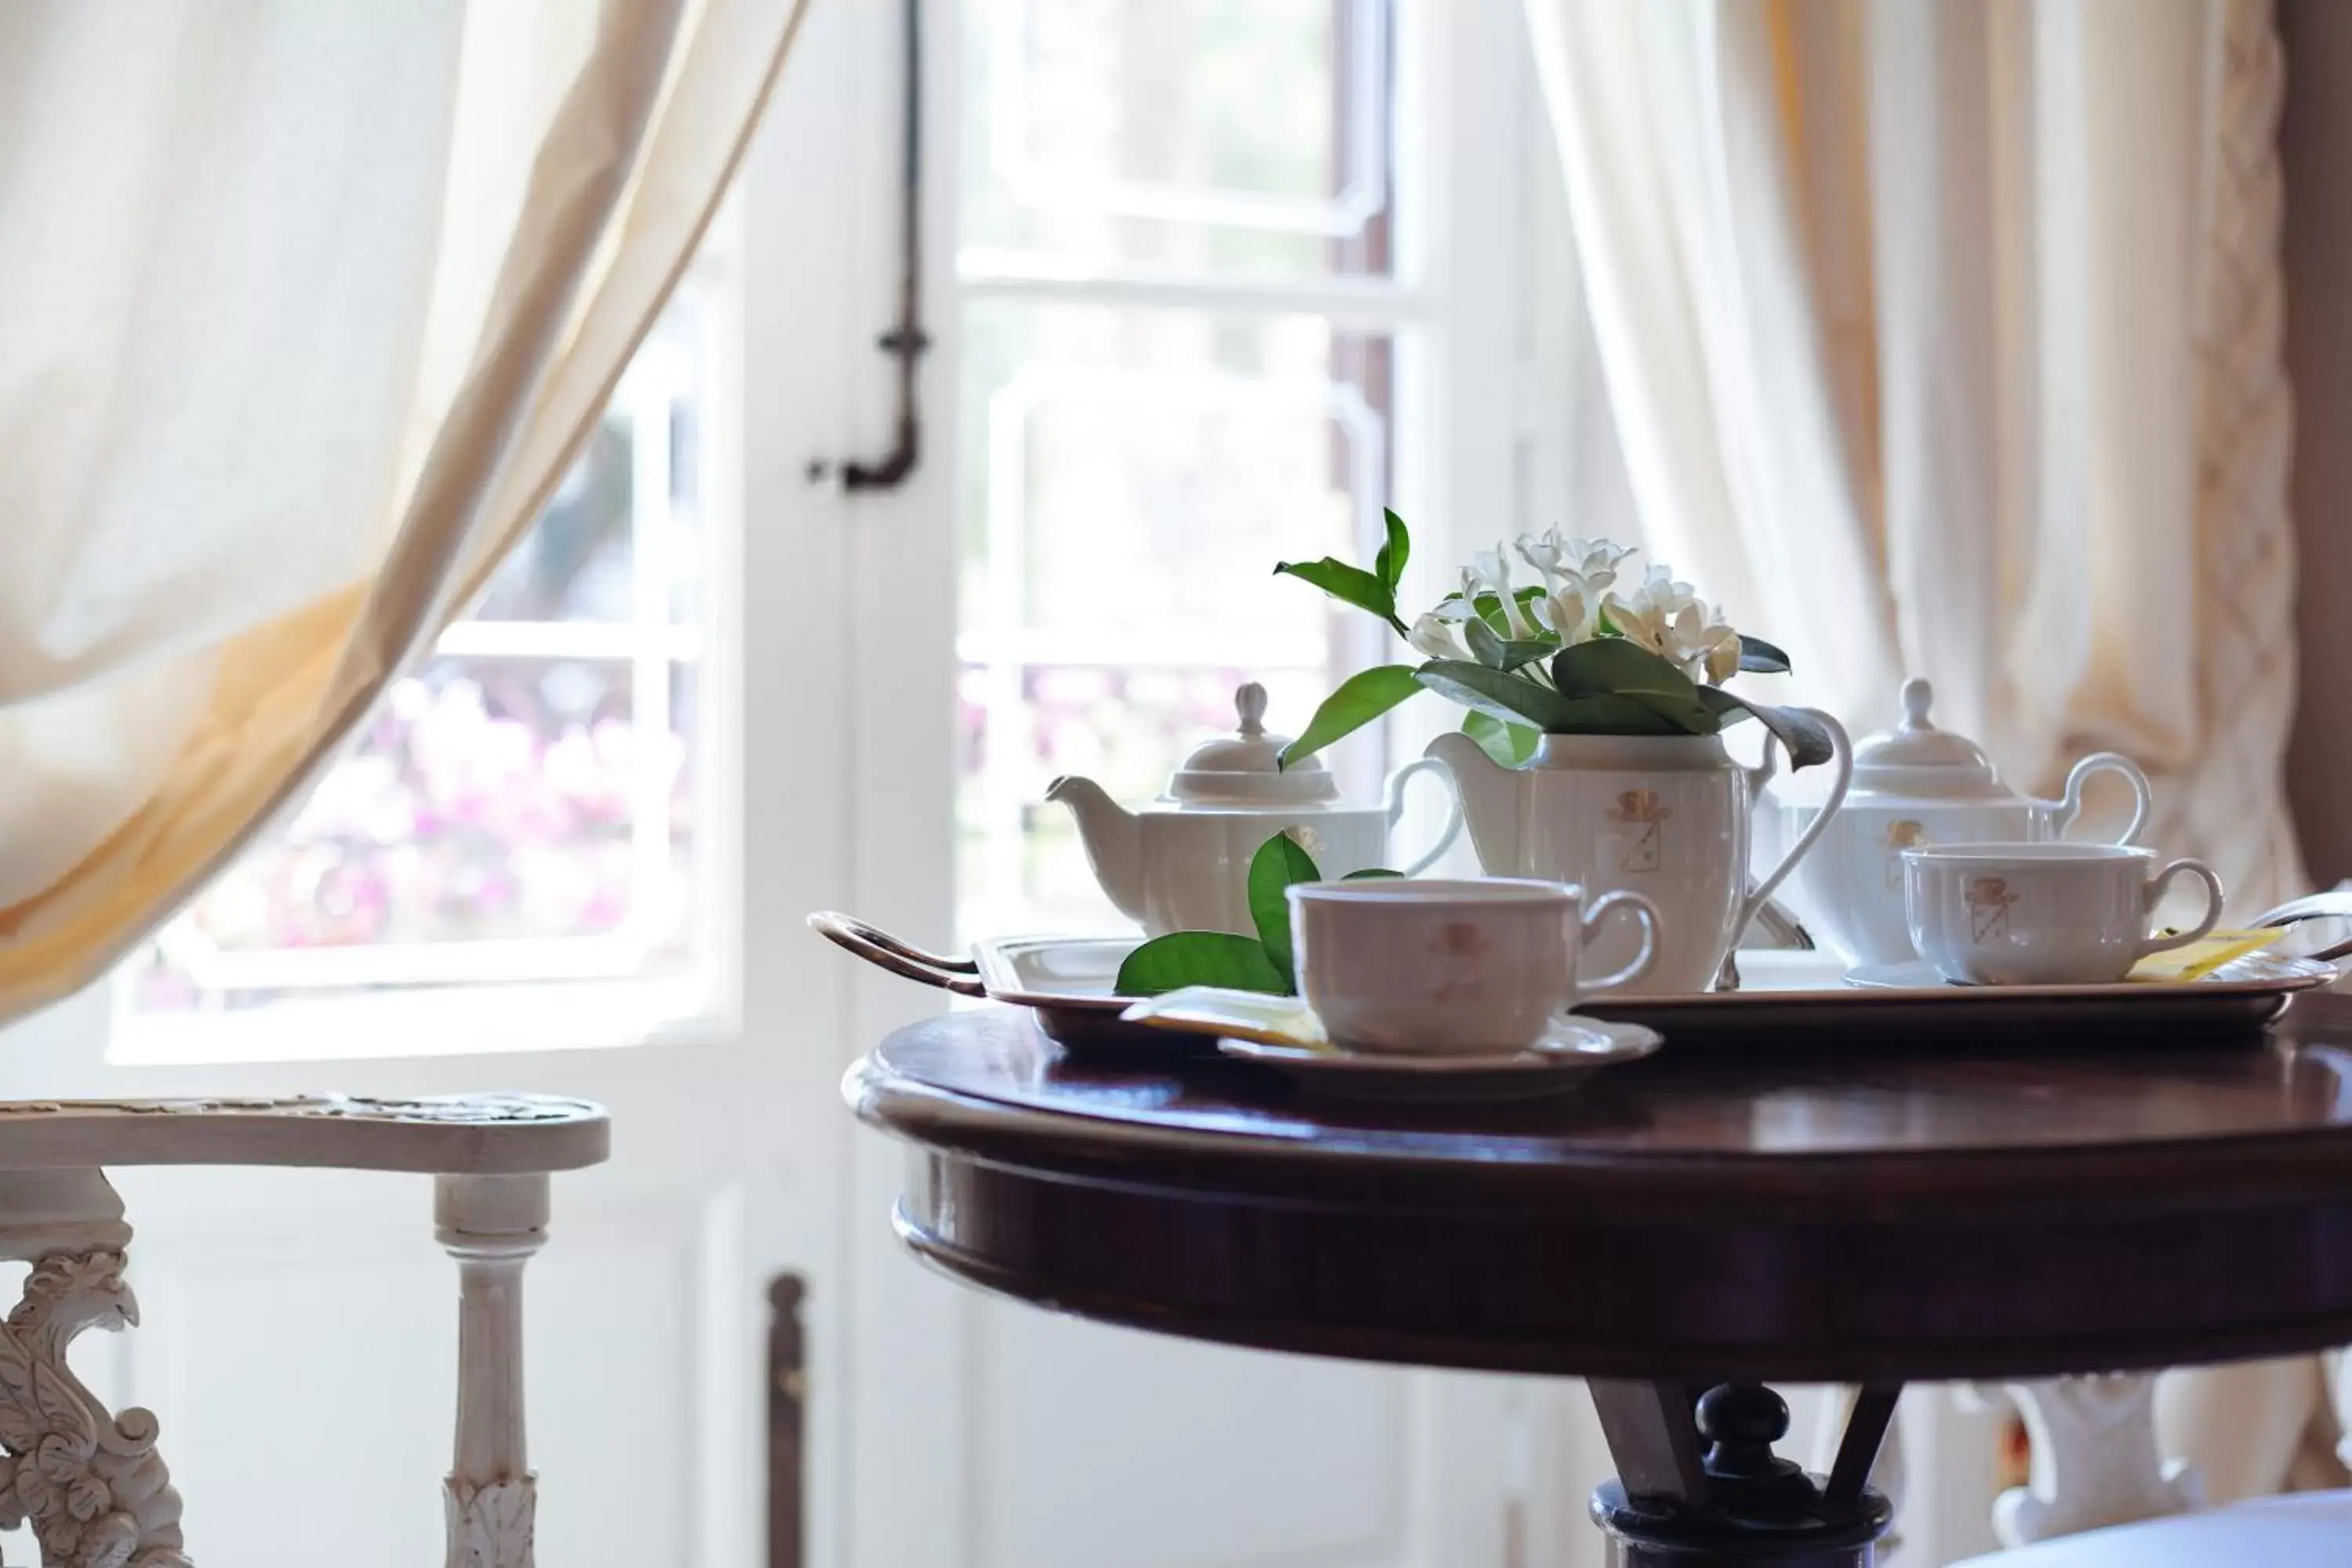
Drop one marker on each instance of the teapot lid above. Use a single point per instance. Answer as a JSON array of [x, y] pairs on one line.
[[1245, 768], [1916, 758]]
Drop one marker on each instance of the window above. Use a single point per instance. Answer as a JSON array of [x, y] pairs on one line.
[[527, 807], [1181, 314]]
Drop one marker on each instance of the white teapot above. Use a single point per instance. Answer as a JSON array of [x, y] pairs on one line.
[[1181, 863], [1918, 785]]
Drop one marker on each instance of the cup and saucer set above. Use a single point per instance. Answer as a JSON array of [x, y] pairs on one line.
[[1621, 873]]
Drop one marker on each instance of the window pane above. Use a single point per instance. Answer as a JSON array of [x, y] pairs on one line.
[[509, 803], [635, 483], [1130, 478], [1229, 136], [523, 807]]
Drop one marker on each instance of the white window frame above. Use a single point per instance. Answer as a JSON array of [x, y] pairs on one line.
[[457, 998]]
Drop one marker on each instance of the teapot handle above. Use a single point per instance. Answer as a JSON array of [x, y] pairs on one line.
[[2068, 806], [1842, 754], [1395, 807]]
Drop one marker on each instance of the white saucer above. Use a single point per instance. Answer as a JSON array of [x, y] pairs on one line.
[[2251, 972], [1574, 1049]]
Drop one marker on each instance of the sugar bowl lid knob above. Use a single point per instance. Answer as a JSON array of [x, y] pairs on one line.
[[1249, 703], [1918, 696]]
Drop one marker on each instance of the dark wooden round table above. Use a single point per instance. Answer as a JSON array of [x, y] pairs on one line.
[[1680, 1231]]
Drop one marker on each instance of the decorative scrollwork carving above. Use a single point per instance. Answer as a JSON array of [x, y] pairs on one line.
[[92, 1486], [491, 1526]]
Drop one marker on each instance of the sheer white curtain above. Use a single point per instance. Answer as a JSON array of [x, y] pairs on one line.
[[1943, 340], [305, 305]]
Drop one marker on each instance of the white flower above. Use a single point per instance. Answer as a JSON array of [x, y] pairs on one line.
[[1432, 637], [1491, 569], [1704, 644], [1594, 561], [1647, 614], [1598, 557], [1545, 552], [1572, 608]]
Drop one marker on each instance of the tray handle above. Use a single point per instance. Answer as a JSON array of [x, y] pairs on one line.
[[880, 948]]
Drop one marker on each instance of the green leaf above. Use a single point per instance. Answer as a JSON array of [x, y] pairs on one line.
[[1389, 564], [1806, 738], [1615, 667], [1758, 657], [1606, 714], [1509, 745], [1371, 874], [1359, 700], [1279, 862], [1199, 958], [1348, 584], [1513, 699], [1497, 652]]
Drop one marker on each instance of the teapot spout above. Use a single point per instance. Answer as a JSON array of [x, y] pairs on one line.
[[1490, 795], [1113, 837]]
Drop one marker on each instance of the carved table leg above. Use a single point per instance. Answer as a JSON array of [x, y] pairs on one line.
[[491, 1226], [1700, 1486], [92, 1486]]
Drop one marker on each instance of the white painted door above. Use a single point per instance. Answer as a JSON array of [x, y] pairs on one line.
[[1210, 291]]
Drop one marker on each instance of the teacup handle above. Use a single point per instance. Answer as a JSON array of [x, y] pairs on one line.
[[2069, 805], [2154, 893], [1643, 960], [1395, 805]]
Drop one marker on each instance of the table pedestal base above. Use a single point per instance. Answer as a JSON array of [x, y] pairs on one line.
[[1699, 1485]]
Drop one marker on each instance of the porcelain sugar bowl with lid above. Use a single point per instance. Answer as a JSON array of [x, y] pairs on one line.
[[1917, 785], [1181, 862]]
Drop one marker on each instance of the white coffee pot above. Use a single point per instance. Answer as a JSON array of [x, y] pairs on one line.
[[1915, 784], [1181, 862]]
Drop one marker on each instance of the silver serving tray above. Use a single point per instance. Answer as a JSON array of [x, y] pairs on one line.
[[1067, 982], [2241, 997]]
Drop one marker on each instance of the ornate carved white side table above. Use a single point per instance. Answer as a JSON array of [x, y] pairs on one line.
[[92, 1484]]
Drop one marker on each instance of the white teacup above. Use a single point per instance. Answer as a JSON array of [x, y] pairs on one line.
[[1438, 968], [2042, 914]]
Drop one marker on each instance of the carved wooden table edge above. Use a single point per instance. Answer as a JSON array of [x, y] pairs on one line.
[[94, 1486], [1678, 1282], [1750, 1186]]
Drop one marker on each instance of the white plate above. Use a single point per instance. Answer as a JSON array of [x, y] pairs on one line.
[[1281, 1033], [1573, 1051], [2260, 972]]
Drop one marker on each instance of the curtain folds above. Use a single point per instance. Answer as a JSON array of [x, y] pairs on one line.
[[1943, 340], [324, 297]]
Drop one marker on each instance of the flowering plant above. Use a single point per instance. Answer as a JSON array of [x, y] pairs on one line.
[[1584, 649]]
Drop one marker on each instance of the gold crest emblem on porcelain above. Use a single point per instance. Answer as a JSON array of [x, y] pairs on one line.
[[1641, 826], [1989, 899], [1903, 835]]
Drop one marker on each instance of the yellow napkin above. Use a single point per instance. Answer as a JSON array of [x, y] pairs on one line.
[[2203, 956]]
